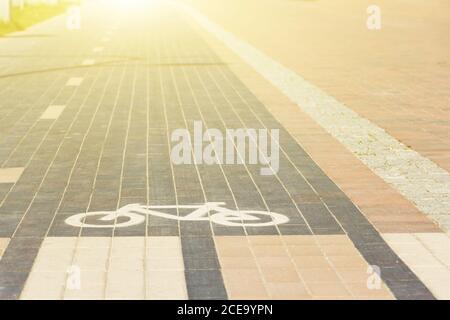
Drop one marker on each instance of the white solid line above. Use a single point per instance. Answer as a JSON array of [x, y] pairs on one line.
[[416, 177], [52, 112], [74, 82]]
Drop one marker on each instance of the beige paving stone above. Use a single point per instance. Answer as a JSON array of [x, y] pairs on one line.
[[361, 291], [130, 276], [339, 250], [411, 248], [88, 291], [165, 269], [441, 273], [270, 251], [238, 262], [92, 258], [244, 284], [165, 264], [92, 286], [275, 262], [265, 240], [288, 291], [127, 263], [117, 277], [44, 286], [440, 287], [308, 262], [250, 296], [299, 240], [353, 274], [392, 238], [131, 252], [166, 284], [127, 258], [231, 241], [233, 251], [429, 238], [128, 242], [304, 250], [348, 261], [3, 245], [10, 175], [438, 244], [163, 252], [326, 274], [61, 242], [53, 259], [325, 240], [292, 276], [52, 112], [279, 275], [425, 259], [129, 284]]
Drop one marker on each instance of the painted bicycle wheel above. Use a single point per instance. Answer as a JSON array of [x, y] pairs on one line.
[[248, 218], [79, 220]]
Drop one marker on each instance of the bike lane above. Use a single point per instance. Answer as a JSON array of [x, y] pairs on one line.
[[324, 250]]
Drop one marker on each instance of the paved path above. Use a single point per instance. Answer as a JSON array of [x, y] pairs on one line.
[[87, 118]]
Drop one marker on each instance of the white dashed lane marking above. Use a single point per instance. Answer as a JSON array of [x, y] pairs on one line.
[[52, 112], [428, 257]]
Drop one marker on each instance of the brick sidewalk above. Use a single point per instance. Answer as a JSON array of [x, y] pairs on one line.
[[86, 137], [395, 77]]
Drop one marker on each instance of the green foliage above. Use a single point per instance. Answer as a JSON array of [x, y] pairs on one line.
[[30, 15]]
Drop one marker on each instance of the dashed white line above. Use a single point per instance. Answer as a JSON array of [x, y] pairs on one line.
[[52, 112], [10, 175]]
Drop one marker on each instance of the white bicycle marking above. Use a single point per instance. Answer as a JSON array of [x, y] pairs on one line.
[[210, 211]]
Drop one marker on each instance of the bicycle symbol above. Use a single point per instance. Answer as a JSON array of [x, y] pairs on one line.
[[210, 211]]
